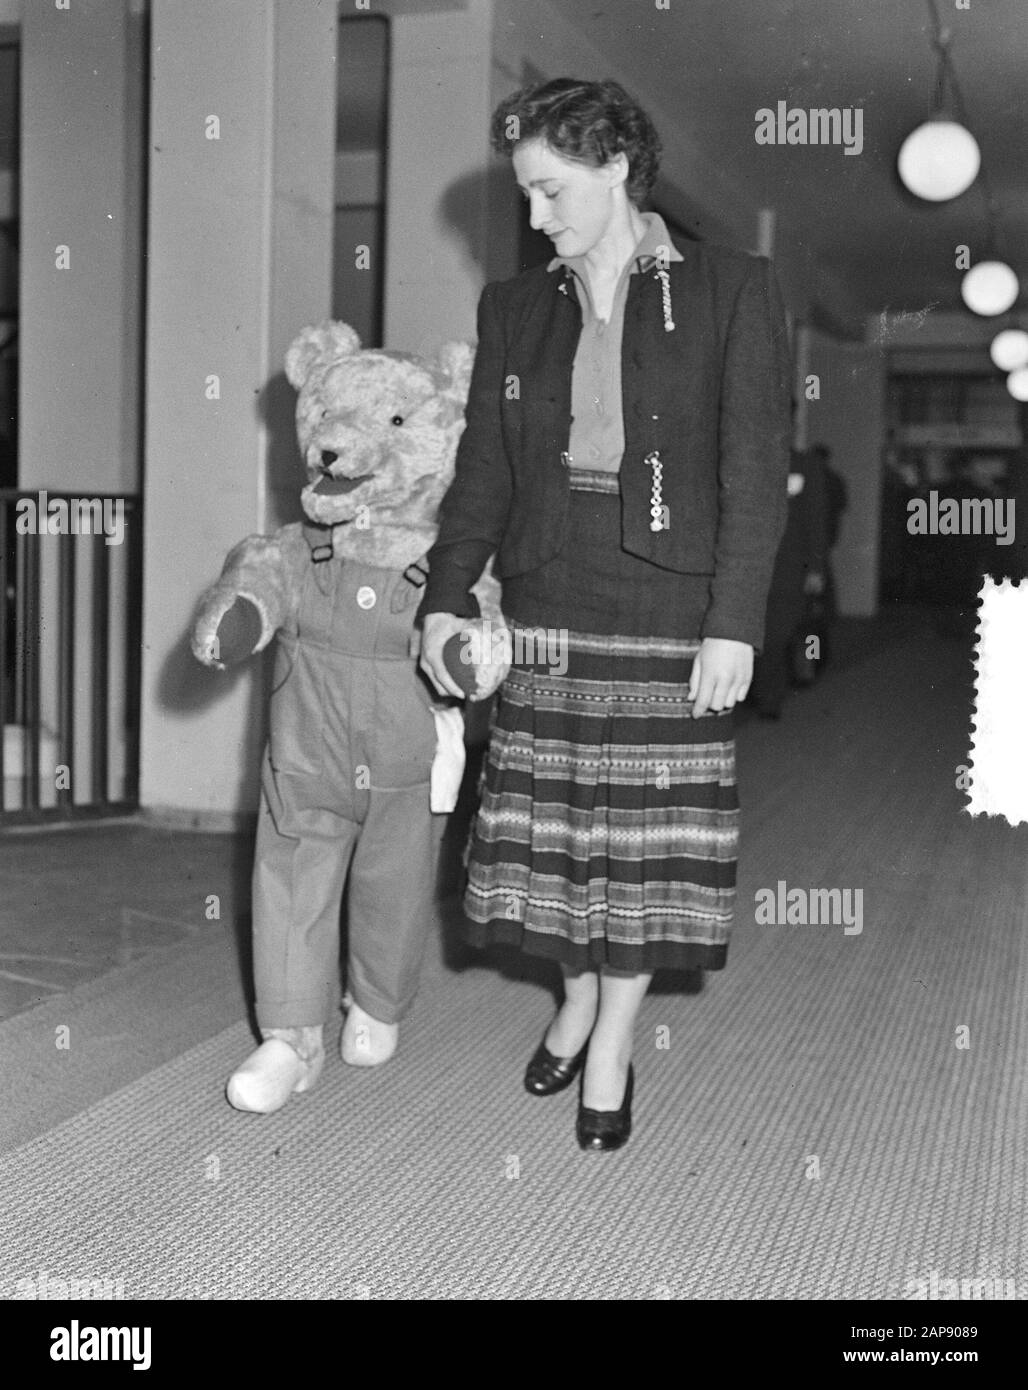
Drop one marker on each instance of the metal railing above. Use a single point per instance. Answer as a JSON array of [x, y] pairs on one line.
[[70, 655]]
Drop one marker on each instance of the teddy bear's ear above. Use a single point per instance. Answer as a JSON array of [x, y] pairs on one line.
[[457, 360], [323, 343]]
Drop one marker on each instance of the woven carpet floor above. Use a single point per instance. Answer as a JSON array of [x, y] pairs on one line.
[[812, 1130]]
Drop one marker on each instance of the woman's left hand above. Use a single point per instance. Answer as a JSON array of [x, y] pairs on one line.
[[721, 675]]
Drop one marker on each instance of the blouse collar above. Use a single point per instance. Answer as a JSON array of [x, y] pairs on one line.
[[654, 244]]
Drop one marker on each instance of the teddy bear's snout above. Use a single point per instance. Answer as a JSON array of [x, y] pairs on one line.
[[337, 471]]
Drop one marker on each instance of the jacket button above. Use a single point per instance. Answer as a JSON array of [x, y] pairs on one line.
[[366, 596]]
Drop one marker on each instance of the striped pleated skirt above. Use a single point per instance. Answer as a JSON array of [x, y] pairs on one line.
[[608, 822]]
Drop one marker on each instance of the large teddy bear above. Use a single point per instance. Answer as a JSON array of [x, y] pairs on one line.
[[361, 758]]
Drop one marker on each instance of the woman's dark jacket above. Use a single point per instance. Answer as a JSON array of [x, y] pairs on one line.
[[713, 396]]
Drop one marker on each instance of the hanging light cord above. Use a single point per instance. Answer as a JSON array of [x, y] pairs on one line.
[[942, 38]]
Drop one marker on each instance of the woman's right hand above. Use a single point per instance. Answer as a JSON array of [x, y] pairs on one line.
[[436, 631]]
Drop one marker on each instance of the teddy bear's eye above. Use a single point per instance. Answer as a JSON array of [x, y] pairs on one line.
[[396, 420]]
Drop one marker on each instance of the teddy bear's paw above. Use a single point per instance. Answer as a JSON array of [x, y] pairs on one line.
[[489, 678], [493, 659], [239, 632], [457, 360], [477, 657], [229, 629], [365, 1041], [204, 643], [287, 1062]]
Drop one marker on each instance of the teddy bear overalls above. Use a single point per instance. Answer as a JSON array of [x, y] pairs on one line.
[[345, 789]]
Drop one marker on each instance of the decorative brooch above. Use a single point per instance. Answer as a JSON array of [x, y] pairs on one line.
[[656, 503], [665, 294]]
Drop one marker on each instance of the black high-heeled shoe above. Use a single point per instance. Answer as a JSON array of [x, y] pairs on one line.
[[545, 1074], [600, 1130]]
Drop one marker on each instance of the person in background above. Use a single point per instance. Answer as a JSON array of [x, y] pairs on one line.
[[624, 458], [827, 502]]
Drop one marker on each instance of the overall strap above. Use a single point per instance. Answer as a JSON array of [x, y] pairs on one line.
[[404, 595], [319, 538]]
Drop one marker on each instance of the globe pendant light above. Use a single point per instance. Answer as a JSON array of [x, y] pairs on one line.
[[989, 288], [1017, 384], [1009, 349], [939, 160]]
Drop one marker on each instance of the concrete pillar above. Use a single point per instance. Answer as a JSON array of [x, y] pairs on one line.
[[240, 225], [436, 205], [79, 352]]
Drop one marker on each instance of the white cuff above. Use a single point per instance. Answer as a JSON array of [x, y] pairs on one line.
[[448, 765]]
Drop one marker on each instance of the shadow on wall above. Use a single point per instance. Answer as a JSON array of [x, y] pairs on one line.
[[461, 209], [501, 242], [184, 685], [284, 476]]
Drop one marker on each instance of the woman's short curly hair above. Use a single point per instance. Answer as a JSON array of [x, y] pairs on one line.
[[587, 121]]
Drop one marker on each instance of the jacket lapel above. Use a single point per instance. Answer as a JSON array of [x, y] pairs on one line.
[[543, 355], [662, 372], [559, 323]]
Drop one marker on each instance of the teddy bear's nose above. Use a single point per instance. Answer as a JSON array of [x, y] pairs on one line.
[[328, 458]]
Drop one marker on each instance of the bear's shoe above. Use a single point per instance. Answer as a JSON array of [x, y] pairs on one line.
[[366, 1042], [289, 1060]]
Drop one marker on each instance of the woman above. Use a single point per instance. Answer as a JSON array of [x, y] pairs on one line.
[[625, 457]]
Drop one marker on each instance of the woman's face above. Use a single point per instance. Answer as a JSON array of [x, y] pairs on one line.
[[573, 204]]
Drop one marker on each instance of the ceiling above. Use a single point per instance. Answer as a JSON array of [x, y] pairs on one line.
[[711, 64]]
